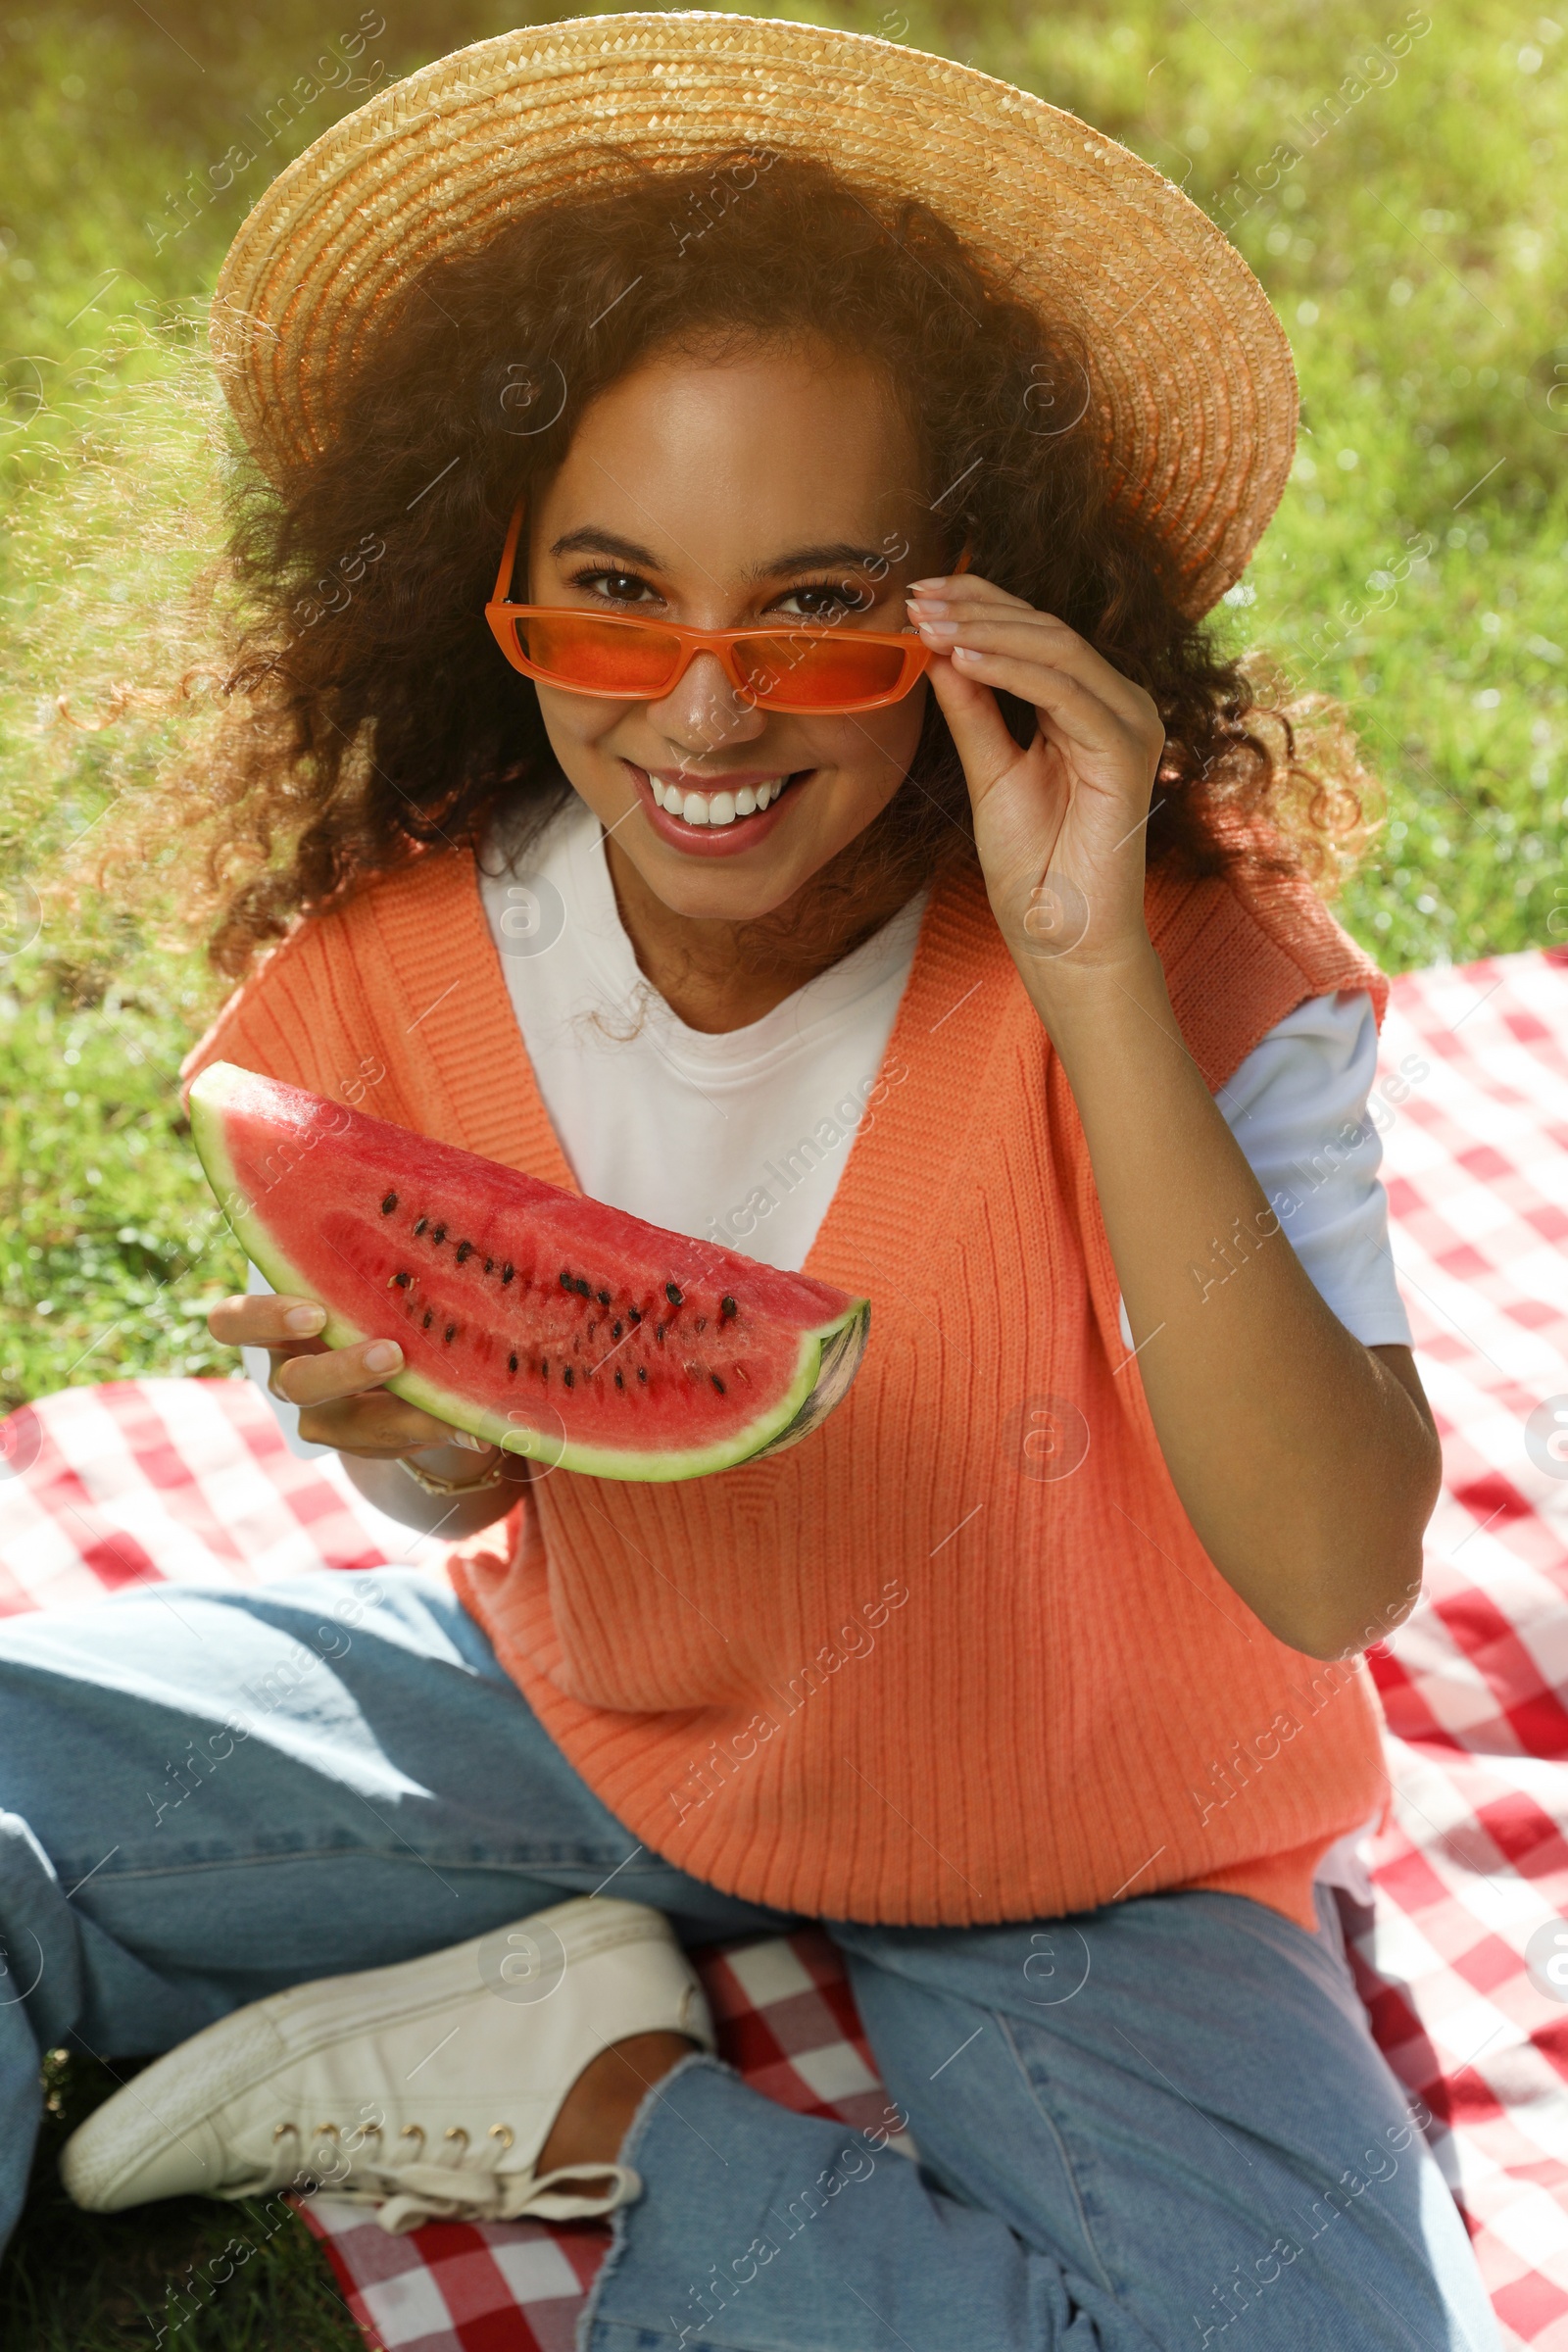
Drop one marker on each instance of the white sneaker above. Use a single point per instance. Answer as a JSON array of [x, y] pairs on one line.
[[426, 2089]]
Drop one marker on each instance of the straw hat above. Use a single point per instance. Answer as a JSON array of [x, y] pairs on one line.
[[1194, 393]]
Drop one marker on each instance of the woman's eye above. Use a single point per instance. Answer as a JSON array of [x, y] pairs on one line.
[[615, 587], [825, 599]]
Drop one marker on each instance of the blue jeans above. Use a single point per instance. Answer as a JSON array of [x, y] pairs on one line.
[[1162, 2124]]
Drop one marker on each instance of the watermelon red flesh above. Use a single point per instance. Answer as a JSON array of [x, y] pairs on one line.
[[530, 1316]]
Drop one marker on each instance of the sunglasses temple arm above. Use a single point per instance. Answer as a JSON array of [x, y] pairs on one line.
[[509, 555]]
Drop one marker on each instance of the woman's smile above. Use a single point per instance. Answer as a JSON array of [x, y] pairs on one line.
[[714, 817]]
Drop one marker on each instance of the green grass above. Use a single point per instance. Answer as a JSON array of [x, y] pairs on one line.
[[190, 2275], [1415, 254]]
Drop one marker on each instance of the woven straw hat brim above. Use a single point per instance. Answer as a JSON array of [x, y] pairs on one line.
[[1194, 388]]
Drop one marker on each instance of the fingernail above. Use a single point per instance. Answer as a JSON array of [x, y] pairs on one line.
[[927, 604], [460, 1436], [938, 628], [967, 653], [383, 1355], [940, 583], [304, 1320]]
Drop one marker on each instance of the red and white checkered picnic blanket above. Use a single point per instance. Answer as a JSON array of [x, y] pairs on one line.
[[151, 1479]]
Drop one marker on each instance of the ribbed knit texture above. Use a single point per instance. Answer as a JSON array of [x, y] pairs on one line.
[[887, 1675]]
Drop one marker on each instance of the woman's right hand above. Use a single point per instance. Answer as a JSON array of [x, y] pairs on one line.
[[337, 1390]]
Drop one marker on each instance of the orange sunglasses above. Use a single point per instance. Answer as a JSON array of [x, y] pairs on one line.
[[811, 669]]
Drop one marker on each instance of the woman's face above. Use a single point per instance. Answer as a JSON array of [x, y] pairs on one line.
[[779, 484]]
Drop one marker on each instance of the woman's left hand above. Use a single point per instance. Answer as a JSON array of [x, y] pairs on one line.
[[1059, 824]]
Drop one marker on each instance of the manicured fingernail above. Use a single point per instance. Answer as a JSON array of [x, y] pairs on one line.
[[383, 1355], [938, 628], [940, 583], [927, 604], [304, 1320], [967, 653], [460, 1436]]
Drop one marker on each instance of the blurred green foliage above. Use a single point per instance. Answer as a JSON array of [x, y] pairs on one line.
[[1389, 175]]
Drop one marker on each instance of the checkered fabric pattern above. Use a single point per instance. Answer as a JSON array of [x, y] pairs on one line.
[[141, 1480]]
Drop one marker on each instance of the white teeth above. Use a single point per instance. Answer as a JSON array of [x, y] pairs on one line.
[[716, 807]]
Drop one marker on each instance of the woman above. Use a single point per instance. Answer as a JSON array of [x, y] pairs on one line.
[[1033, 1672]]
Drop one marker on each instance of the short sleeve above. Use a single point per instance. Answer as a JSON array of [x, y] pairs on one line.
[[1298, 1106]]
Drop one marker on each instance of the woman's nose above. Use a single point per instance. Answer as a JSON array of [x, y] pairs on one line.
[[704, 712]]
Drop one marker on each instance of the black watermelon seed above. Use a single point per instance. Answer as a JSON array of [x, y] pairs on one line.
[[420, 1225], [489, 1266], [464, 1252], [566, 1282], [428, 1320], [619, 1383], [568, 1377], [583, 1289], [403, 1280], [672, 1293], [511, 1363], [614, 1331], [544, 1367], [508, 1271], [438, 1234], [726, 1308], [603, 1297], [718, 1383], [641, 1372], [634, 1314], [451, 1332], [658, 1332], [389, 1205]]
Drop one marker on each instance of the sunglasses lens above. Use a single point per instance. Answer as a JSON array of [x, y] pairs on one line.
[[793, 671], [600, 657]]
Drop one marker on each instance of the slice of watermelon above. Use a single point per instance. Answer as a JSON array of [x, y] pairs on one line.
[[547, 1323]]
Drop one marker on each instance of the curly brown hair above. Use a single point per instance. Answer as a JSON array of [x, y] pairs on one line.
[[369, 710]]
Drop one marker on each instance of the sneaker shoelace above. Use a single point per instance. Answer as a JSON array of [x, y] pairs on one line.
[[459, 2183]]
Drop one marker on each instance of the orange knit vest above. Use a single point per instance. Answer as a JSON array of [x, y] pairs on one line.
[[895, 1673]]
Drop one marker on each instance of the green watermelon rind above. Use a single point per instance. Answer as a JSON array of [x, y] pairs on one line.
[[829, 1359]]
